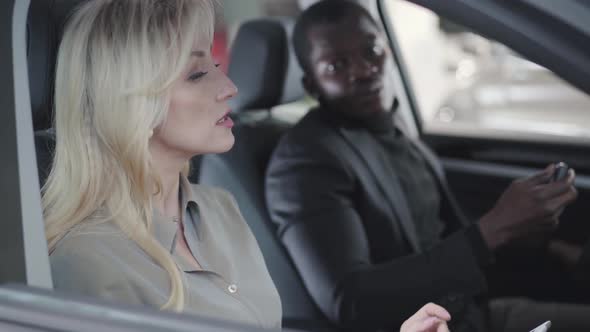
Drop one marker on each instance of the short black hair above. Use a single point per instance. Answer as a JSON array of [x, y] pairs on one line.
[[322, 12]]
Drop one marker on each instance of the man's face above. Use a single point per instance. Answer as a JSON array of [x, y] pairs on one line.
[[350, 67]]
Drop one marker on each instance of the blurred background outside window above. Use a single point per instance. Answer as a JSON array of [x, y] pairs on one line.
[[467, 85]]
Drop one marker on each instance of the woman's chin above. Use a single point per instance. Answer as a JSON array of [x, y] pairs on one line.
[[226, 149], [220, 145], [223, 146]]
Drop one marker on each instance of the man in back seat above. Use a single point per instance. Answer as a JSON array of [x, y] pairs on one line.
[[364, 210]]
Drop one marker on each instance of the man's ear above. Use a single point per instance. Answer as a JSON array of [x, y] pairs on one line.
[[310, 86]]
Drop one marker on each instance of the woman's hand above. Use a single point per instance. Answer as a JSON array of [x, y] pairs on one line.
[[430, 318]]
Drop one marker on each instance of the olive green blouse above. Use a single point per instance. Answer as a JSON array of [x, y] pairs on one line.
[[234, 283]]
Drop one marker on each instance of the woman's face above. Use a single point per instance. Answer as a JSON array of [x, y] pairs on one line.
[[198, 121]]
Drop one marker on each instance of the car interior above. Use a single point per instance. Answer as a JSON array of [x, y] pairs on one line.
[[273, 80], [263, 67], [267, 75]]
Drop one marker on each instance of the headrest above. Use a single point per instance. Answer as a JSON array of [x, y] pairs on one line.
[[44, 30], [263, 65]]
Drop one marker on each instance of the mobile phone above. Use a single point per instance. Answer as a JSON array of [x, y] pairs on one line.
[[560, 172], [543, 327]]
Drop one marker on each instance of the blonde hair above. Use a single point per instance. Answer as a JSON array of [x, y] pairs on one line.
[[116, 63]]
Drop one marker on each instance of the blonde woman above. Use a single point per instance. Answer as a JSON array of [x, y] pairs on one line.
[[137, 94]]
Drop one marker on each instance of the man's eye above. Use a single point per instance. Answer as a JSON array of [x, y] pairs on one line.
[[196, 76], [335, 66]]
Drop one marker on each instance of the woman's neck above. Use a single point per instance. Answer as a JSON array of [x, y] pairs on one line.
[[168, 168], [166, 201]]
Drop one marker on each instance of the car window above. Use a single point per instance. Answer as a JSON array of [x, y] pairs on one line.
[[467, 85]]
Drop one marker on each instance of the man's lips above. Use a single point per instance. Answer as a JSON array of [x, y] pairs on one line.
[[366, 96], [369, 93]]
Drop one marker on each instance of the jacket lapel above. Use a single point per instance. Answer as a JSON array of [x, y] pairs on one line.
[[360, 142], [456, 219]]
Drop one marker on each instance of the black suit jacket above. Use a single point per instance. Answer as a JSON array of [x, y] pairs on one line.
[[345, 222]]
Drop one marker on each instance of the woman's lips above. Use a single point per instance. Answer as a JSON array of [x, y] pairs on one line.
[[225, 121]]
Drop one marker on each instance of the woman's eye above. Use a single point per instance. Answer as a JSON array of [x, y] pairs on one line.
[[217, 65], [196, 76]]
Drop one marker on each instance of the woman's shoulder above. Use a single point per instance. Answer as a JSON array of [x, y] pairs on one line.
[[100, 261], [92, 247], [83, 259], [88, 243]]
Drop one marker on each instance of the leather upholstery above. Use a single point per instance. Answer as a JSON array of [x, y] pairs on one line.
[[265, 71], [263, 67], [44, 30], [45, 25]]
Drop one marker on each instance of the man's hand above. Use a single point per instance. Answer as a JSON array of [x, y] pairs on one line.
[[531, 205], [430, 318]]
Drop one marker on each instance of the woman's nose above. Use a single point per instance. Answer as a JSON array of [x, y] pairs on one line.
[[228, 89]]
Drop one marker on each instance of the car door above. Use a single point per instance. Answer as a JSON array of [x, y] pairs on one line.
[[499, 89]]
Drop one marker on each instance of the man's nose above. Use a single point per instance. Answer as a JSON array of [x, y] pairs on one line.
[[362, 69]]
